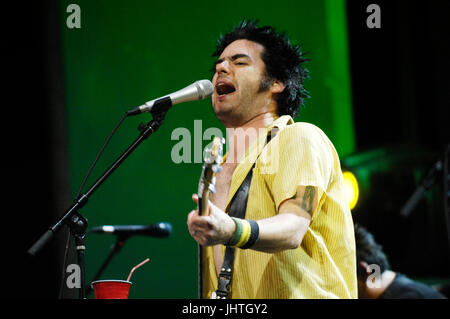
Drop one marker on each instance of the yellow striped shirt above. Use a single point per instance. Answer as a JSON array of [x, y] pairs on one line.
[[324, 265]]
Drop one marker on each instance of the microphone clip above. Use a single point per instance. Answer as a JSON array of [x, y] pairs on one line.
[[161, 107], [158, 111]]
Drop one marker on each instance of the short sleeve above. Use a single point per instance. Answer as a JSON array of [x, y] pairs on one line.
[[299, 155]]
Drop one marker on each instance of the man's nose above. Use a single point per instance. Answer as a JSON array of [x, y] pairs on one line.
[[223, 67]]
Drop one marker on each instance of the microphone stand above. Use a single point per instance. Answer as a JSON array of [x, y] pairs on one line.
[[76, 222], [115, 248], [426, 183], [77, 226]]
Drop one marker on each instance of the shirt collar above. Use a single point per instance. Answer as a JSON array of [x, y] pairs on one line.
[[280, 122]]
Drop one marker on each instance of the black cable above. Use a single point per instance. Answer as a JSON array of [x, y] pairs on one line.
[[100, 153], [63, 272], [66, 249]]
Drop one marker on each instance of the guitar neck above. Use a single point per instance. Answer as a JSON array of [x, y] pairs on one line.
[[203, 210], [212, 161], [203, 204]]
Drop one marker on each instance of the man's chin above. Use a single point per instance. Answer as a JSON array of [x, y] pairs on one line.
[[227, 117], [222, 109], [222, 115]]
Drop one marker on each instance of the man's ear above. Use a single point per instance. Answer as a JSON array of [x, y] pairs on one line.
[[277, 86]]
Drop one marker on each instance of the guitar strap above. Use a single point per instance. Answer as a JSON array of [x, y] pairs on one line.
[[238, 206]]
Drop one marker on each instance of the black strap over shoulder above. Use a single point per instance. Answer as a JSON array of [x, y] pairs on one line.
[[237, 209], [238, 206]]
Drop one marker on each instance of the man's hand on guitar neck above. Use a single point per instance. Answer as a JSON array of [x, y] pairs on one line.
[[215, 228]]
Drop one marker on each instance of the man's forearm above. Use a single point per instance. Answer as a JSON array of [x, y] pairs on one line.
[[281, 232]]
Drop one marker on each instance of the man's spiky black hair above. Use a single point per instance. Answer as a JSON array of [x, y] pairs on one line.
[[283, 61], [368, 250]]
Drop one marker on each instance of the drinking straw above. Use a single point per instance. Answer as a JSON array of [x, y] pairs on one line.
[[136, 267]]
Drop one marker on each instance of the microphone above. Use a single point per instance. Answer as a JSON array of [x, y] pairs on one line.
[[158, 230], [424, 186], [198, 90]]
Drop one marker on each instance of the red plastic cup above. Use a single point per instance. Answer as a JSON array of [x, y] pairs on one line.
[[111, 289]]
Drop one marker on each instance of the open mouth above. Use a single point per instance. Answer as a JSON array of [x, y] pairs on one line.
[[224, 88]]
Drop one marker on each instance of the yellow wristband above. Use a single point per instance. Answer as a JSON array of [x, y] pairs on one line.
[[246, 230]]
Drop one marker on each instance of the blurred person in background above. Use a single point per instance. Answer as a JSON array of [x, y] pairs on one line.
[[376, 279]]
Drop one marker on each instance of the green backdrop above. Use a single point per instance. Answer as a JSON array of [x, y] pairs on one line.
[[129, 52]]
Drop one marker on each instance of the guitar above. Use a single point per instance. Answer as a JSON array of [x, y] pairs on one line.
[[212, 161]]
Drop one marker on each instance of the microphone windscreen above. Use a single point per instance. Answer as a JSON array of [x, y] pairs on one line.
[[206, 88]]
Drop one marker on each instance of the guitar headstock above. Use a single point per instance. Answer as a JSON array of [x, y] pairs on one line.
[[212, 161], [213, 155]]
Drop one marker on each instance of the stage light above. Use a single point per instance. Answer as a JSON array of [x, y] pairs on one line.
[[351, 188]]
